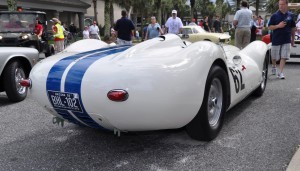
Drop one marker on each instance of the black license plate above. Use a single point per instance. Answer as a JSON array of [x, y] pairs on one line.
[[65, 101]]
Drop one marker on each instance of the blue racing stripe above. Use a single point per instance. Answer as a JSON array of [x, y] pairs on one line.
[[74, 80], [55, 75], [56, 72]]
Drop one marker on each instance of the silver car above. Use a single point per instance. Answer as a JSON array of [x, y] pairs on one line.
[[15, 65]]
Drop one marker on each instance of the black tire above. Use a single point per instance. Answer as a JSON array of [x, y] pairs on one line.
[[261, 89], [14, 72], [202, 127]]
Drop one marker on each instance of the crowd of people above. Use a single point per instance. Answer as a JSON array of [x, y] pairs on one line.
[[281, 25], [247, 26]]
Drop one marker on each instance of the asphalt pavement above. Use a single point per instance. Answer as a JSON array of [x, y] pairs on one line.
[[258, 134]]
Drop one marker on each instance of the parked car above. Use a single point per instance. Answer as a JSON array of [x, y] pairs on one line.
[[295, 50], [15, 65], [17, 30], [197, 33], [162, 83]]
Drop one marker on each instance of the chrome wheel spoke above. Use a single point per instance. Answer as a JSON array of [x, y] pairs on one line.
[[19, 76], [214, 104]]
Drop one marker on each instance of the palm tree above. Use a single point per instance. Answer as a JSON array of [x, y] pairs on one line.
[[112, 17], [193, 9], [158, 4], [95, 10], [238, 3], [256, 7], [12, 5], [107, 19], [272, 5]]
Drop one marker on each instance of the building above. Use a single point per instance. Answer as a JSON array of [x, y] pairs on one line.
[[89, 16], [79, 12]]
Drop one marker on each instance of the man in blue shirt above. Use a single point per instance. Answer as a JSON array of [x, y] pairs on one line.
[[283, 35], [153, 29], [124, 30]]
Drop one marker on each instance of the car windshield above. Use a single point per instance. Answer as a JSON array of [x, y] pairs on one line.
[[193, 30], [199, 29], [15, 23]]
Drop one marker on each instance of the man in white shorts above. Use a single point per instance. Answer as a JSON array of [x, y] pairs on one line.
[[283, 36]]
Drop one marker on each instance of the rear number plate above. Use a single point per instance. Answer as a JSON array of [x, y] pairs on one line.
[[65, 101]]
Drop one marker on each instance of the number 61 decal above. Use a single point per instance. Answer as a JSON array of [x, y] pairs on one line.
[[238, 79]]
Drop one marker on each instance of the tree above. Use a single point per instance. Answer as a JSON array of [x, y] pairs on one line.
[[95, 10], [12, 5], [158, 4], [238, 4], [193, 9], [256, 7], [272, 5], [219, 6], [107, 19], [112, 17]]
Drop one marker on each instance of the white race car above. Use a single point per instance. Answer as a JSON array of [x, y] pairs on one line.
[[162, 83]]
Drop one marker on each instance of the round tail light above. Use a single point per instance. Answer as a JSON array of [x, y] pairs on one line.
[[26, 83], [117, 95]]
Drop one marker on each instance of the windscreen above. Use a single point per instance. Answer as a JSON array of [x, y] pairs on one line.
[[17, 23]]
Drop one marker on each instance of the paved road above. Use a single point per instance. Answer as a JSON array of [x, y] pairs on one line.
[[258, 134]]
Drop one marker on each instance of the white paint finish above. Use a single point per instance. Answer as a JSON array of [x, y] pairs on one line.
[[165, 81]]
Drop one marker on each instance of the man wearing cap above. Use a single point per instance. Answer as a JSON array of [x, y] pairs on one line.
[[94, 31], [58, 35], [174, 24]]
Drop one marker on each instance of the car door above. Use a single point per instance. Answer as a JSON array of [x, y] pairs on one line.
[[189, 35]]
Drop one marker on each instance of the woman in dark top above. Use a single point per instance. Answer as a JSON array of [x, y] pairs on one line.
[[205, 24]]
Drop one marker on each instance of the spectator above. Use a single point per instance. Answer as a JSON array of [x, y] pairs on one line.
[[242, 22], [153, 29], [73, 30], [298, 19], [38, 29], [94, 31], [137, 35], [174, 24], [205, 24], [283, 36], [298, 27], [145, 31], [58, 35], [201, 23], [253, 29], [86, 33], [298, 30], [163, 29], [193, 22], [124, 30], [113, 34], [260, 26], [217, 28], [65, 30]]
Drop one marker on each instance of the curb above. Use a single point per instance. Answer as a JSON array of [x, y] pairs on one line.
[[294, 164]]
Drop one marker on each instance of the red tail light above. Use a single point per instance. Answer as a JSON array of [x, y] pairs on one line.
[[26, 83], [117, 95]]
